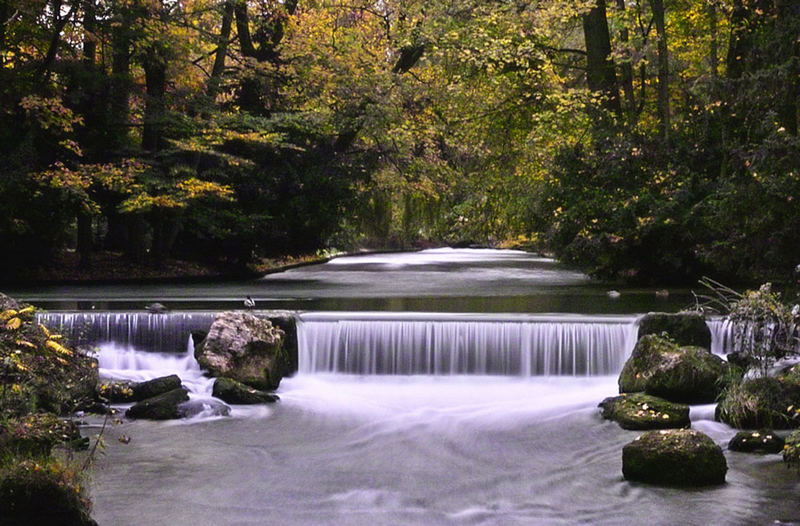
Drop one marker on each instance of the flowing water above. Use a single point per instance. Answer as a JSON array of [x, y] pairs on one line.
[[452, 415]]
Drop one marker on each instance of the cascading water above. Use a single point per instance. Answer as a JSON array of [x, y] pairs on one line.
[[458, 344], [140, 330]]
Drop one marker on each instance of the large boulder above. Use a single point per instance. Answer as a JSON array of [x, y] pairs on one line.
[[234, 392], [772, 402], [684, 328], [761, 441], [165, 406], [642, 412], [674, 457], [245, 348], [660, 367]]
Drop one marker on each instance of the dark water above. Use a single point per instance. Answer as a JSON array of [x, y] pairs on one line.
[[439, 280]]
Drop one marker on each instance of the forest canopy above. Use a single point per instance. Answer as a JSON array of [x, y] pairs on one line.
[[649, 140]]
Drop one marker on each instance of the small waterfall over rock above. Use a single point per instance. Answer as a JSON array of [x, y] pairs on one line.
[[436, 344]]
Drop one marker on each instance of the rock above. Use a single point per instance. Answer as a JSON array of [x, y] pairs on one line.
[[245, 348], [155, 387], [156, 308], [661, 368], [198, 337], [761, 441], [165, 406], [684, 328], [234, 392], [206, 407], [674, 457], [766, 402], [641, 411]]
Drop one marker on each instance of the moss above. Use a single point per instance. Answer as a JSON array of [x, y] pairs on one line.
[[233, 392], [760, 441], [772, 402], [641, 411], [683, 328], [646, 356], [674, 457], [661, 368]]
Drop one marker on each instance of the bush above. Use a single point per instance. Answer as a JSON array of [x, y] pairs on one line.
[[42, 491]]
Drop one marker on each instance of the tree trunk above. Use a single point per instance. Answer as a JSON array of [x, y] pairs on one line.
[[788, 29], [59, 23], [663, 68], [222, 50], [3, 21], [85, 239], [165, 225], [740, 42], [626, 68], [713, 60], [121, 81], [85, 234], [600, 73], [89, 27], [155, 72]]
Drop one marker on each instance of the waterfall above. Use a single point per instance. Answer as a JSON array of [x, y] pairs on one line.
[[398, 343], [144, 331], [435, 344], [721, 335]]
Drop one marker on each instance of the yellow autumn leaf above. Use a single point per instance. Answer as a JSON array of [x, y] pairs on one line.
[[25, 344], [57, 347], [6, 314], [44, 330], [27, 310], [13, 324]]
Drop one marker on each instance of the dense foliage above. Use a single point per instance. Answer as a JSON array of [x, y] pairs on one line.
[[650, 140], [43, 380]]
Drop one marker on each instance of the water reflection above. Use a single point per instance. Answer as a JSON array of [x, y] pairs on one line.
[[439, 280]]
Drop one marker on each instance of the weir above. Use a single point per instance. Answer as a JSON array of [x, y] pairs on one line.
[[400, 343]]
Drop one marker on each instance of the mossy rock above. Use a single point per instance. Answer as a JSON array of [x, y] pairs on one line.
[[674, 457], [155, 387], [234, 392], [684, 328], [766, 402], [791, 450], [642, 412], [761, 441], [165, 406], [115, 392], [660, 367]]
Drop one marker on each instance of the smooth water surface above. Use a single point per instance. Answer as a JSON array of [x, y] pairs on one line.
[[356, 450], [436, 280]]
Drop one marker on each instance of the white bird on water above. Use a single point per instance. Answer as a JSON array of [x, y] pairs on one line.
[[249, 302]]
